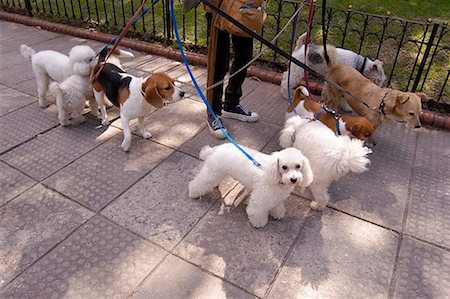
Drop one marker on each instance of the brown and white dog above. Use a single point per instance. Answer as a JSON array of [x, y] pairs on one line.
[[355, 126], [384, 103], [134, 96]]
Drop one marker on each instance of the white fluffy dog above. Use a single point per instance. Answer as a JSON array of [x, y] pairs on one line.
[[331, 156], [372, 70], [269, 186], [51, 65], [72, 93]]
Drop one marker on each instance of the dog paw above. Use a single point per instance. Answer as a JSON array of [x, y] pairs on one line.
[[258, 222], [146, 135], [105, 122], [126, 145], [315, 206], [43, 103], [64, 123]]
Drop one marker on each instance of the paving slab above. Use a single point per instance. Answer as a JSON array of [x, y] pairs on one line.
[[176, 278], [229, 247], [158, 207], [31, 225], [29, 87], [12, 99], [49, 152], [23, 124], [105, 172], [429, 209], [12, 183], [99, 260], [338, 256], [378, 195], [433, 151], [423, 271]]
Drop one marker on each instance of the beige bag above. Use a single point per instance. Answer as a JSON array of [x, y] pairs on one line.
[[247, 12]]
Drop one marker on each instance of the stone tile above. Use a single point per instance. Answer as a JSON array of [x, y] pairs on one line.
[[49, 152], [99, 260], [338, 256], [31, 37], [12, 183], [137, 61], [396, 141], [11, 100], [104, 173], [176, 123], [25, 123], [160, 64], [158, 207], [265, 100], [429, 208], [253, 135], [378, 195], [176, 278], [228, 246], [177, 71], [3, 87], [31, 225], [62, 44], [29, 87], [9, 59], [423, 271], [433, 151]]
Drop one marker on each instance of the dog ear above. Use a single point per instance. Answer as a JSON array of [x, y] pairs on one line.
[[355, 128], [402, 98], [307, 174], [151, 94], [272, 174], [423, 96], [81, 68]]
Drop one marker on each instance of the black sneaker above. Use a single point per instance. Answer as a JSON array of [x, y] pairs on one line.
[[214, 127], [241, 114]]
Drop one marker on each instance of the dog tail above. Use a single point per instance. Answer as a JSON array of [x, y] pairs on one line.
[[26, 51], [205, 152], [287, 136], [354, 157], [300, 41]]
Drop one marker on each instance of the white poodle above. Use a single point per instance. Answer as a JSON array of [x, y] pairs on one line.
[[331, 156], [51, 65], [269, 185], [315, 59], [72, 93]]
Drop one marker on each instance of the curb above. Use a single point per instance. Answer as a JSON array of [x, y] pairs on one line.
[[428, 118]]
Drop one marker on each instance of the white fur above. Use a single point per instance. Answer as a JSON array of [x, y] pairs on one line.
[[331, 156], [344, 57], [51, 65], [269, 186], [72, 93]]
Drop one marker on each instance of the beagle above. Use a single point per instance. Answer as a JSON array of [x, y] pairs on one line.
[[134, 96], [355, 126]]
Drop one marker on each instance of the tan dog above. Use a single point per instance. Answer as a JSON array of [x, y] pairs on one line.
[[386, 103], [355, 126]]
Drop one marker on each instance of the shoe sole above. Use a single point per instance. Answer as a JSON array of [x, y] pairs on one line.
[[218, 134], [249, 119]]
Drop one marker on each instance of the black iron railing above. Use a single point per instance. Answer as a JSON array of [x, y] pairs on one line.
[[416, 55]]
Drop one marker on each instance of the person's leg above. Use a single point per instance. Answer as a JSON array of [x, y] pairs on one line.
[[243, 52]]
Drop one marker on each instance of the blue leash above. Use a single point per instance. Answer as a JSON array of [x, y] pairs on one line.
[[174, 22]]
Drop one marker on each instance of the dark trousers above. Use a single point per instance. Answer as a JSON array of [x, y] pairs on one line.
[[243, 52]]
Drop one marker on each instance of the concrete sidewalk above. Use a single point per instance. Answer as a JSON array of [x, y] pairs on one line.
[[79, 218]]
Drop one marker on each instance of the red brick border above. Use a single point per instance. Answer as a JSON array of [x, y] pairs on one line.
[[427, 118]]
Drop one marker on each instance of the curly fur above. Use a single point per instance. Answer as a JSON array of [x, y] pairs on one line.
[[50, 65], [331, 156], [373, 70], [269, 186]]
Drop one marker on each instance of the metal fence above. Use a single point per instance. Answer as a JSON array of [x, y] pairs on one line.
[[416, 55]]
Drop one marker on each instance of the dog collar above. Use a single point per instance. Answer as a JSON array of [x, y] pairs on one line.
[[361, 70], [382, 103]]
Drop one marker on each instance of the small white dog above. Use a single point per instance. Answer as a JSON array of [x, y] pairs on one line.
[[269, 186], [331, 156], [72, 94], [51, 65], [372, 70]]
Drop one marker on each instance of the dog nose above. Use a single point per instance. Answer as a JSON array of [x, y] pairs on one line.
[[293, 180], [181, 93]]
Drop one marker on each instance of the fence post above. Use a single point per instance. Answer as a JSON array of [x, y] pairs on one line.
[[425, 57], [28, 7], [168, 22]]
